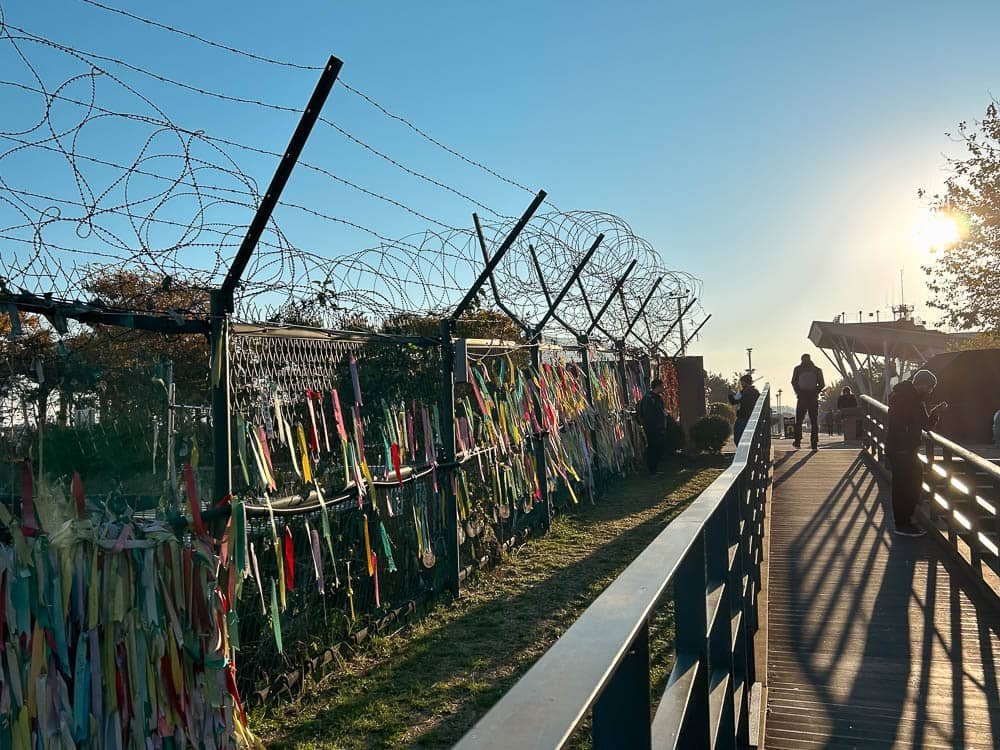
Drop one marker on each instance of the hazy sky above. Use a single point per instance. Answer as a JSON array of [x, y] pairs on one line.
[[773, 149]]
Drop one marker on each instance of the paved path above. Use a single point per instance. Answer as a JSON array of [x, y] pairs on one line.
[[874, 641]]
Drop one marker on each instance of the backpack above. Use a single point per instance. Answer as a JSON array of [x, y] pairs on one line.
[[807, 380]]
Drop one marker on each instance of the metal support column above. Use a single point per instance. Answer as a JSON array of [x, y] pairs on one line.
[[446, 455], [622, 378], [539, 437], [222, 442]]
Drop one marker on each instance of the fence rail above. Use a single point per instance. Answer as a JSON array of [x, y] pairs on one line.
[[711, 557], [961, 494]]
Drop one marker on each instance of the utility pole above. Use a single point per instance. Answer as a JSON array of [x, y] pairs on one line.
[[749, 360]]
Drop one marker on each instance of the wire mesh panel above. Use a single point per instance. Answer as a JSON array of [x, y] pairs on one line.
[[339, 494]]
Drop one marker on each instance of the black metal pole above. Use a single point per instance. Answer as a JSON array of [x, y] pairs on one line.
[[498, 255], [222, 442], [680, 322], [622, 378], [691, 337], [588, 391], [281, 175], [607, 303], [573, 277], [493, 284], [680, 316], [540, 435], [446, 457], [642, 307]]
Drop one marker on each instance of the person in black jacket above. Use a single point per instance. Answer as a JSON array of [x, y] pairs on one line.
[[653, 415], [807, 381], [744, 402], [908, 418], [847, 399]]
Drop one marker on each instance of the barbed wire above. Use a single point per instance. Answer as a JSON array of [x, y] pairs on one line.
[[286, 64], [150, 192]]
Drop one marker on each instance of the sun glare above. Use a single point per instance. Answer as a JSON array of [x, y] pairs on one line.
[[937, 231]]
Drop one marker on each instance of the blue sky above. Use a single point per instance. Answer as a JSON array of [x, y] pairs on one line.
[[772, 149]]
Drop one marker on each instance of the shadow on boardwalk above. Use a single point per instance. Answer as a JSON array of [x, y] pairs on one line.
[[874, 640]]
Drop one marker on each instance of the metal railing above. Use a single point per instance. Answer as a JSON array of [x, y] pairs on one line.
[[961, 493], [710, 555]]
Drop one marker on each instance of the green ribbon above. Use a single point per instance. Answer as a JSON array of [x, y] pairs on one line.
[[276, 618], [386, 547]]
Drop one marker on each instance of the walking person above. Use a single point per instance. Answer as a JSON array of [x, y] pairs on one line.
[[652, 414], [908, 418], [744, 402], [807, 382]]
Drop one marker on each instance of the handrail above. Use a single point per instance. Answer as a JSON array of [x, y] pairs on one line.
[[960, 495], [962, 452], [711, 553]]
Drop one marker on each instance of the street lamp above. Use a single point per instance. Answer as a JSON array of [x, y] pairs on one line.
[[781, 418]]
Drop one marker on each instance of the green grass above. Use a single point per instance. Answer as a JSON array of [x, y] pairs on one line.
[[428, 684]]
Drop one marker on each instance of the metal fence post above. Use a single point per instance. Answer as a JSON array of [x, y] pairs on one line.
[[447, 465], [222, 442], [588, 391], [622, 378], [539, 438]]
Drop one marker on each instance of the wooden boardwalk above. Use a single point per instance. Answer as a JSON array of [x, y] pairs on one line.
[[874, 641]]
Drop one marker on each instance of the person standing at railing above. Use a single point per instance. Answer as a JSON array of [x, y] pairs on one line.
[[908, 418], [807, 381], [744, 402], [652, 414]]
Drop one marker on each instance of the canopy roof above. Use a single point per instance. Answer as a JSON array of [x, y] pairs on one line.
[[902, 338]]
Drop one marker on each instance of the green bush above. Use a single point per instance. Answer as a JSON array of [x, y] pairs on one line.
[[726, 411], [710, 433]]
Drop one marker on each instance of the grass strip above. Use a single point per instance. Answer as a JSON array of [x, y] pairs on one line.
[[428, 684]]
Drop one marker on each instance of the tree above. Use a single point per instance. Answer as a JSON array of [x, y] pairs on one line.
[[964, 279], [720, 387]]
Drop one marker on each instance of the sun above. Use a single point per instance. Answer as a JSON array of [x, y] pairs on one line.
[[937, 230]]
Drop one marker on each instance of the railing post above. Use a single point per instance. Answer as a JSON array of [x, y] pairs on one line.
[[690, 588], [949, 461], [933, 480], [742, 644], [720, 641], [621, 714]]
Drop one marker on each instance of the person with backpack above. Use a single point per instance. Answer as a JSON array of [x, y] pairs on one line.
[[807, 382], [744, 402], [652, 413], [908, 418]]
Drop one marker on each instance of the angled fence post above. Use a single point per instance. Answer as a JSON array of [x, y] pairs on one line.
[[222, 299], [447, 459]]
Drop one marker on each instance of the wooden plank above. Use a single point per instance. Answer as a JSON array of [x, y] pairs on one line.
[[874, 641]]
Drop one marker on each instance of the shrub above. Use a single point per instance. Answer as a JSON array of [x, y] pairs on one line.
[[726, 411], [710, 433]]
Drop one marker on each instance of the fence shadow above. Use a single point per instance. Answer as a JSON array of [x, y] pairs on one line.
[[496, 637], [891, 638]]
